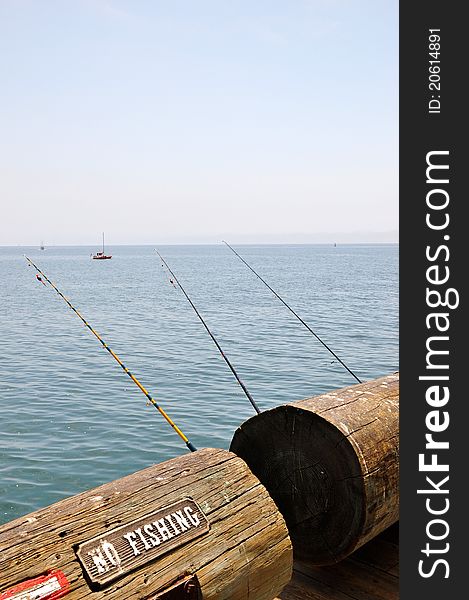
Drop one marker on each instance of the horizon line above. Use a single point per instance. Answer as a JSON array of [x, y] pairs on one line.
[[357, 243]]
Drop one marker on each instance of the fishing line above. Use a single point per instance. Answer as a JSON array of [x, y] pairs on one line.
[[293, 312], [191, 447], [225, 358]]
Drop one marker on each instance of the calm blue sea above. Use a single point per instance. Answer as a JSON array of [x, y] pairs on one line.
[[71, 419]]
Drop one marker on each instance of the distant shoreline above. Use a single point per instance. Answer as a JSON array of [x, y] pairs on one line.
[[326, 244]]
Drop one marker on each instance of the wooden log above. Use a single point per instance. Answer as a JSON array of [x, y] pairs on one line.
[[203, 513], [331, 463]]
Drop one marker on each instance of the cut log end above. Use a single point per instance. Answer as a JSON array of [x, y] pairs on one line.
[[330, 464], [314, 485]]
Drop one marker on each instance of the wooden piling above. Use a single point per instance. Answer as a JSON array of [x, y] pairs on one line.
[[331, 463], [203, 514]]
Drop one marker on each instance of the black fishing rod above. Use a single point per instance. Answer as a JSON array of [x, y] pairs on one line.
[[293, 312], [191, 447], [225, 358]]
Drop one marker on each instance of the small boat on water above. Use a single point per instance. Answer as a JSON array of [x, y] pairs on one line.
[[101, 255], [42, 246]]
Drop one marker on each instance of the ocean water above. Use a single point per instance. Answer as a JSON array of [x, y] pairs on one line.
[[70, 419]]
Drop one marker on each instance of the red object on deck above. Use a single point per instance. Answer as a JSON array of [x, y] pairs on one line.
[[46, 587]]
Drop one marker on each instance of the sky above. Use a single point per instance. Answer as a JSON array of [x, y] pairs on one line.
[[192, 121]]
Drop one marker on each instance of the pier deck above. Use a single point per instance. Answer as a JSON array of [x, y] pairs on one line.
[[370, 573]]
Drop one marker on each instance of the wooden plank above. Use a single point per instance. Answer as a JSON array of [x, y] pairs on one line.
[[380, 554], [302, 587], [359, 581], [351, 579]]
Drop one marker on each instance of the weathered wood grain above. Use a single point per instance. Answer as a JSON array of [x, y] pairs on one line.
[[246, 554], [370, 573], [331, 463]]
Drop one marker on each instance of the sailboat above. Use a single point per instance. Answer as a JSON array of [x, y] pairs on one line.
[[101, 255], [42, 246]]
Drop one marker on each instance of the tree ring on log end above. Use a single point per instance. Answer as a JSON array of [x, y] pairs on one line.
[[312, 472]]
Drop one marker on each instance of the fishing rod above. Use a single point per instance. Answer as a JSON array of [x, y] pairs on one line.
[[189, 444], [225, 358], [293, 312]]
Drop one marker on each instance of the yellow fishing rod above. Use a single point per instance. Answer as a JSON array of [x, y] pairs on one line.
[[191, 447]]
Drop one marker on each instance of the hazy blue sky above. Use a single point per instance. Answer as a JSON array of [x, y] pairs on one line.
[[180, 121]]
